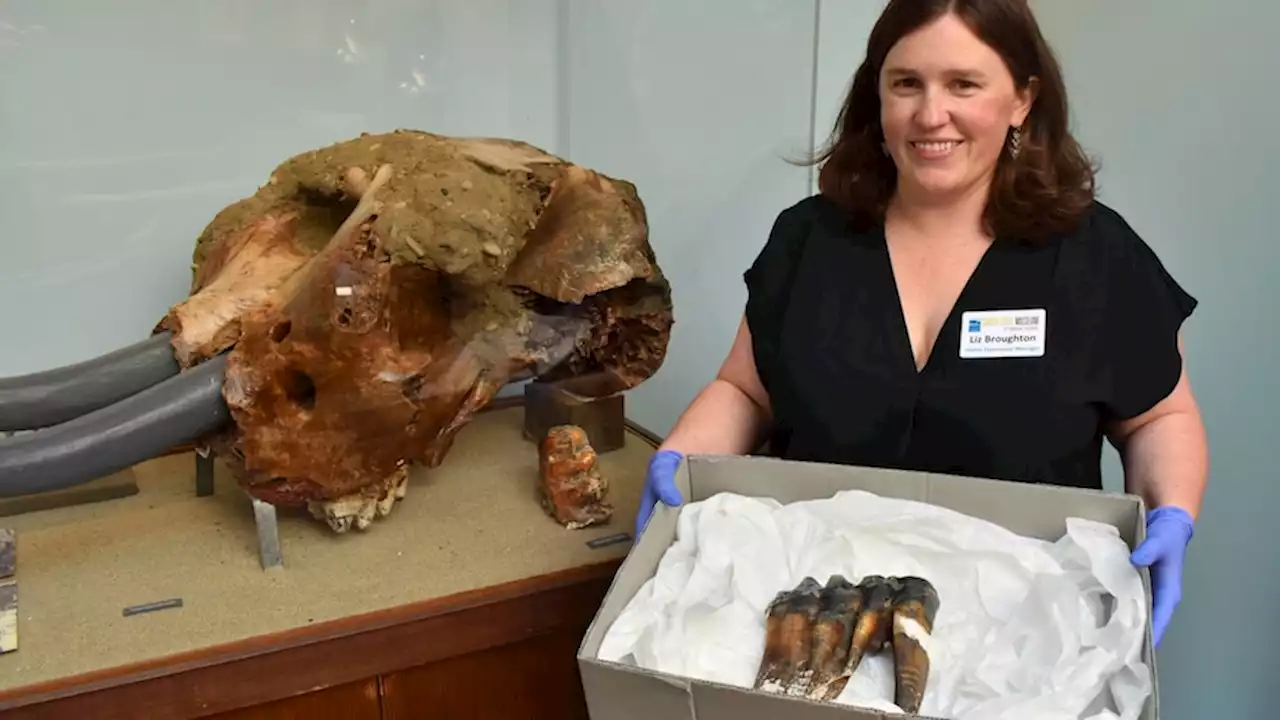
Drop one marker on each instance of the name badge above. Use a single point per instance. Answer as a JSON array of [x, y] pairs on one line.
[[1002, 333]]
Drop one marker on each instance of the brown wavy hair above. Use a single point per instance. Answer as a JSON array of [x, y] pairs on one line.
[[1043, 191]]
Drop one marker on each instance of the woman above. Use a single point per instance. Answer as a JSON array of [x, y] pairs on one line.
[[956, 300]]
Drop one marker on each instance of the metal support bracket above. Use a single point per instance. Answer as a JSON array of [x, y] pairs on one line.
[[264, 516], [204, 472]]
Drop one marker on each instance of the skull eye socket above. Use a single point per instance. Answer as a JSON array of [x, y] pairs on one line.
[[281, 331], [300, 389]]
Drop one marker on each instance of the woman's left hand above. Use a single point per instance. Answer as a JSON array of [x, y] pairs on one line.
[[1169, 531]]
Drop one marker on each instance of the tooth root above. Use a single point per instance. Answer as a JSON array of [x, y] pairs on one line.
[[789, 628], [873, 628], [832, 635], [914, 610], [798, 635], [773, 649]]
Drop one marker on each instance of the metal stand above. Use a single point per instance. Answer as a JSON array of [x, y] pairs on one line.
[[264, 514], [204, 472]]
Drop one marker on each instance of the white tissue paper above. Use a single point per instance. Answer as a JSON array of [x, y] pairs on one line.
[[1022, 630]]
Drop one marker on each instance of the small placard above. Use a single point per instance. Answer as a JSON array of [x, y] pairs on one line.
[[153, 606], [8, 616], [8, 553], [608, 540]]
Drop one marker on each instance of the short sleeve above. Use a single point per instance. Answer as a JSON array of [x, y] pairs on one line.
[[1145, 310], [768, 281]]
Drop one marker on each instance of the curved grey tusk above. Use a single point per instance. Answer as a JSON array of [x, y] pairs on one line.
[[43, 399], [179, 410]]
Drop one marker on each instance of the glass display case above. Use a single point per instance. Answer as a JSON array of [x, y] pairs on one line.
[[342, 328]]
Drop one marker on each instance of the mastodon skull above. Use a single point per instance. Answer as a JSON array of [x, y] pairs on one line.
[[373, 295]]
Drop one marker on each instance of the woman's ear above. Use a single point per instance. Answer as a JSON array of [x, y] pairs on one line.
[[1026, 98]]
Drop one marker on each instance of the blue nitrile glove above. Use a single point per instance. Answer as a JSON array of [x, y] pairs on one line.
[[1169, 530], [659, 484]]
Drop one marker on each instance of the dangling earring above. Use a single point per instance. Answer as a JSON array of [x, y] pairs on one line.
[[1015, 142]]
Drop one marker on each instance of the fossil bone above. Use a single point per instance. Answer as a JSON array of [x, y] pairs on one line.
[[572, 489]]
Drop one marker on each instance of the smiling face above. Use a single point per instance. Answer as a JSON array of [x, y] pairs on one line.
[[947, 104]]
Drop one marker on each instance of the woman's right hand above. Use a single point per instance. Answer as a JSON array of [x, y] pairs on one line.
[[659, 486]]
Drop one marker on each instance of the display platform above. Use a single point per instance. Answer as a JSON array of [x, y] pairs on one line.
[[467, 562]]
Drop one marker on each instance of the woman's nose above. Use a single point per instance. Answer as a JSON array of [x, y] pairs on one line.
[[933, 110]]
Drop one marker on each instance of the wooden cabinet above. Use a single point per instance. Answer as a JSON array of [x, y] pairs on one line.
[[353, 701], [524, 680]]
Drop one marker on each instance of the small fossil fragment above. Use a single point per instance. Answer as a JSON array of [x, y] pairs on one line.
[[914, 609], [573, 491]]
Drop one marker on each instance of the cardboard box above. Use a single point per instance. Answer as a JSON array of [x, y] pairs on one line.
[[624, 692]]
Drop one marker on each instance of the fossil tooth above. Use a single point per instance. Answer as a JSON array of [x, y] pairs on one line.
[[832, 635], [873, 629], [788, 630], [816, 636], [915, 606]]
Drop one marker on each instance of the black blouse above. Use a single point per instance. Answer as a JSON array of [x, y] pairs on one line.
[[1092, 318]]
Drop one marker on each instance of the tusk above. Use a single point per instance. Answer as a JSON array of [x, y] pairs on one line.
[[43, 399], [179, 410]]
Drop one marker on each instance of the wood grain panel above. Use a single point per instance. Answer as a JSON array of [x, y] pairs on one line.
[[355, 701], [533, 679]]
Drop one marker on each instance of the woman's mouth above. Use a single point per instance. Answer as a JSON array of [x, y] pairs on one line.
[[935, 149]]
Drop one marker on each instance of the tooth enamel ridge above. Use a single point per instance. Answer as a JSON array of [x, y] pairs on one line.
[[816, 636]]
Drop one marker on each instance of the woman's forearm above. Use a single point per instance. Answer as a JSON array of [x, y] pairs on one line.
[[1166, 461], [722, 419]]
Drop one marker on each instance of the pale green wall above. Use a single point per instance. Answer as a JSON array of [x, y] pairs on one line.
[[1179, 99], [698, 102]]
